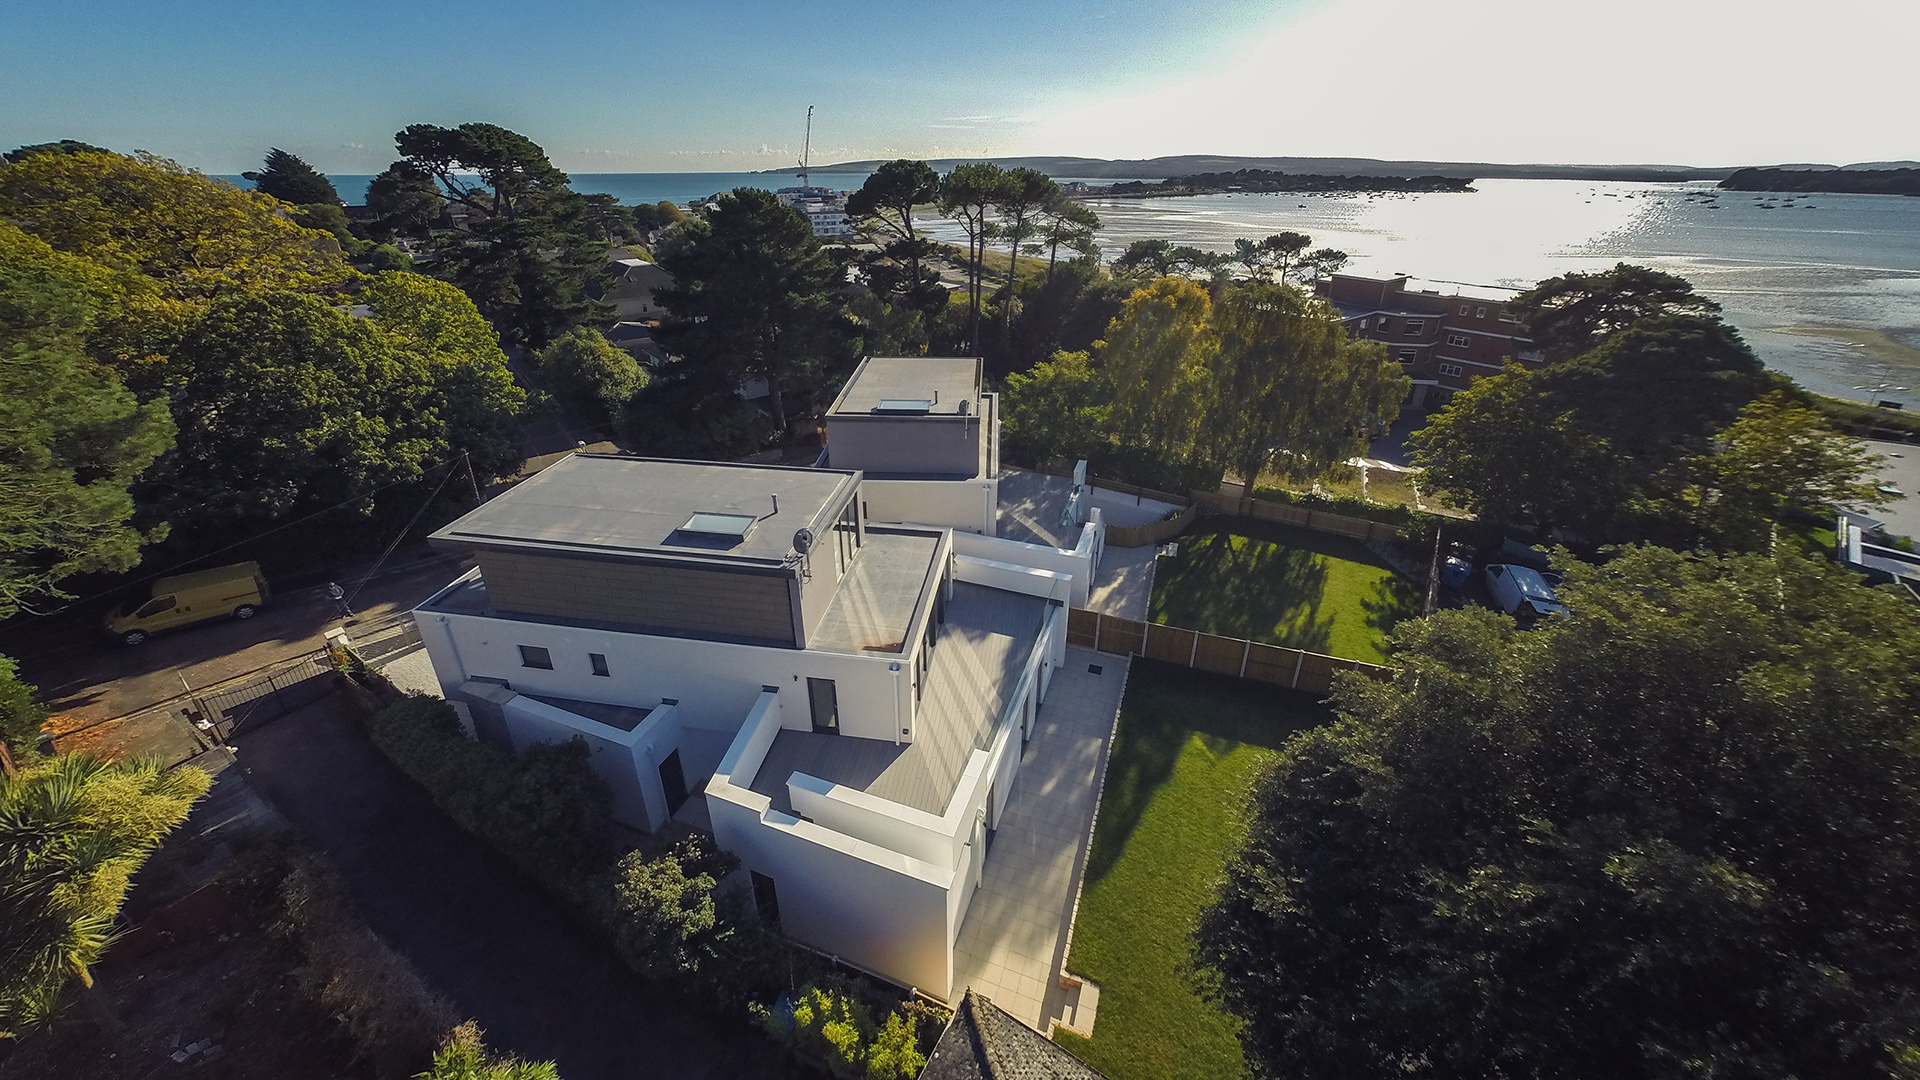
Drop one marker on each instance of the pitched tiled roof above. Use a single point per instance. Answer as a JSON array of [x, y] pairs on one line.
[[984, 1043]]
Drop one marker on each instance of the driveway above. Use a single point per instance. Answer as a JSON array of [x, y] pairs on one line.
[[481, 934]]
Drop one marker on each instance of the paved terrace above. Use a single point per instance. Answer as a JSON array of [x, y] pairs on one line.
[[873, 608], [977, 658], [1012, 947], [1030, 506]]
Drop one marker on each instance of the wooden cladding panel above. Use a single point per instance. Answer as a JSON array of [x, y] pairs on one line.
[[683, 599]]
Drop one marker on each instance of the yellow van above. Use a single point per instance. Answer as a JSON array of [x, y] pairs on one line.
[[235, 591]]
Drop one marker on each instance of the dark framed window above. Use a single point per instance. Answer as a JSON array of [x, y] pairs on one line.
[[1458, 341], [599, 662], [1416, 326], [534, 656]]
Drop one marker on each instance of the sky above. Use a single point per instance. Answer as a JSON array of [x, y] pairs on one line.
[[636, 86]]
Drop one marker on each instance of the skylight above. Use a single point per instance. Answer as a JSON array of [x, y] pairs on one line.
[[733, 526], [904, 406]]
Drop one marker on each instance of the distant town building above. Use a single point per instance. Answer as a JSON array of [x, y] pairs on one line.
[[629, 284], [1444, 338], [825, 210]]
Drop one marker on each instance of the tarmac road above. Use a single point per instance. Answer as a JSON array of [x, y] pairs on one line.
[[85, 679]]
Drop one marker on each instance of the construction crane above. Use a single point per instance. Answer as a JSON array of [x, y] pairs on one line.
[[806, 148]]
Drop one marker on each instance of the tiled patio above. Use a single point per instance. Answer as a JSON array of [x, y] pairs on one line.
[[1013, 943]]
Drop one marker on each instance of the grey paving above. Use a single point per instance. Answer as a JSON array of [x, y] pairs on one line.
[[875, 603], [1013, 944], [1030, 505], [976, 660], [1900, 470]]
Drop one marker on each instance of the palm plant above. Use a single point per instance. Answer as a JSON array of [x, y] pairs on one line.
[[73, 830]]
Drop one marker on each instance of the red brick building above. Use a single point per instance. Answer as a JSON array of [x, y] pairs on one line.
[[1444, 340]]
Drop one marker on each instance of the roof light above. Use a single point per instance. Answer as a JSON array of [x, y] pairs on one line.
[[904, 406], [733, 526]]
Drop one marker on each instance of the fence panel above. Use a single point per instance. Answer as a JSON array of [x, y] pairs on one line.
[[1273, 664], [1083, 628], [1220, 655], [1119, 635], [1170, 643]]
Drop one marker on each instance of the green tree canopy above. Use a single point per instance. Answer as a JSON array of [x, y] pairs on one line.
[[64, 146], [968, 194], [20, 715], [194, 237], [590, 375], [404, 201], [1675, 834], [287, 178], [1056, 409], [531, 240], [1606, 442], [473, 393], [1779, 456], [754, 296], [1575, 312], [72, 437], [884, 208], [72, 832], [1291, 390], [1159, 356], [286, 404]]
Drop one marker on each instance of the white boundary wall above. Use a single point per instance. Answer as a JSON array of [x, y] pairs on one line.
[[968, 507]]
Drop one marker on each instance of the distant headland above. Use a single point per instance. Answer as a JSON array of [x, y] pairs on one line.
[[1852, 180], [1270, 180], [1187, 165]]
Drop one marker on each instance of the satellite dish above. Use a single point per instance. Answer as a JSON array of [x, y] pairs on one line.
[[802, 540]]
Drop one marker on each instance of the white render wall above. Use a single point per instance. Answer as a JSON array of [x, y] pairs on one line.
[[714, 683], [1078, 563], [965, 506], [629, 761]]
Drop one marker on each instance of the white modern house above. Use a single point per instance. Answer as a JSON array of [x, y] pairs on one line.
[[849, 697]]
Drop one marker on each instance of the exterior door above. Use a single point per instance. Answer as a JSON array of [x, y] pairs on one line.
[[765, 899], [825, 703], [674, 780]]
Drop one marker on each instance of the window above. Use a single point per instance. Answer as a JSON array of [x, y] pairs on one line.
[[599, 662], [1450, 369], [1508, 316], [1480, 313], [154, 607], [536, 657], [1463, 309], [1416, 326], [1458, 341], [1408, 356]]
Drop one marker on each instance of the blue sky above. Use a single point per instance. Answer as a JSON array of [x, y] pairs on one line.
[[634, 86]]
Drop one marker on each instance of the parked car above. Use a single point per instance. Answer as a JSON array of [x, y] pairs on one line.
[[224, 592], [1522, 592], [1456, 569]]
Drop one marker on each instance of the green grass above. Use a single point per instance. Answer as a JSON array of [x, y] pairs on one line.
[[1284, 586], [1188, 749]]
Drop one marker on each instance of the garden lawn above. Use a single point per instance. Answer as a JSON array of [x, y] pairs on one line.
[[1187, 751], [1284, 586]]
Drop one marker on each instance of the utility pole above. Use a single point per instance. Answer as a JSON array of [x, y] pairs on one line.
[[472, 485]]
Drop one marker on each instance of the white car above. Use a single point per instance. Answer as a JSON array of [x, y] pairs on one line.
[[1522, 592]]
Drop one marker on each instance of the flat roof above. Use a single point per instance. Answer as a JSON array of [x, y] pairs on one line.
[[874, 605], [942, 381], [615, 505]]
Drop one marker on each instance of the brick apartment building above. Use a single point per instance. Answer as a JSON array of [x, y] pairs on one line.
[[1444, 340]]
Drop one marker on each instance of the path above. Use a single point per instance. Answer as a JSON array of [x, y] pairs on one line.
[[1013, 944], [483, 936]]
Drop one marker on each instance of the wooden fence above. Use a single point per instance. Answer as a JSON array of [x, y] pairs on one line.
[[1288, 514], [1275, 664], [1154, 532]]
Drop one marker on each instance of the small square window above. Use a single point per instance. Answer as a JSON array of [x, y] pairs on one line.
[[1479, 313], [536, 657], [1463, 309], [1416, 326], [599, 662]]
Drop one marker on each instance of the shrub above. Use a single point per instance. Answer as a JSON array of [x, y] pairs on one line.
[[464, 1056], [20, 717], [387, 1010], [831, 1027], [666, 921], [546, 809]]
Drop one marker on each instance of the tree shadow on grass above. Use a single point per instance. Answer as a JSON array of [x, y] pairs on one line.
[[1165, 706], [1394, 600], [1227, 583]]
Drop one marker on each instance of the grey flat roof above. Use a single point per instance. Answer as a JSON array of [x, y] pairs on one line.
[[944, 380], [873, 608], [614, 505], [624, 717], [977, 657]]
